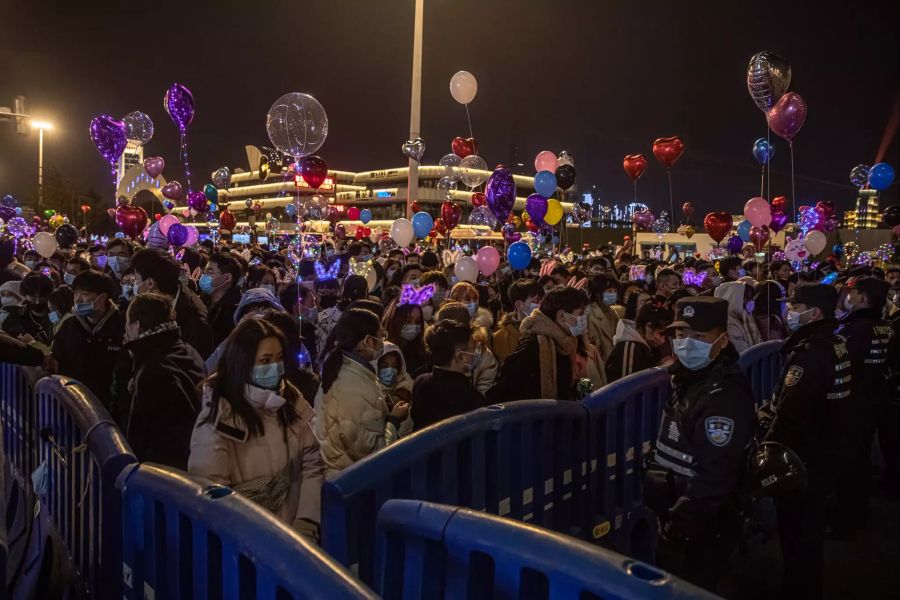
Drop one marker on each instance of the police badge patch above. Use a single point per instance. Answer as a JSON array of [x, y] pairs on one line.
[[793, 375], [719, 430]]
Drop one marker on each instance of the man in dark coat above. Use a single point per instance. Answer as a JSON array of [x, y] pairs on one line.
[[219, 286]]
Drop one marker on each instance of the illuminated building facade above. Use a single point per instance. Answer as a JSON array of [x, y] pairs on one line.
[[867, 214]]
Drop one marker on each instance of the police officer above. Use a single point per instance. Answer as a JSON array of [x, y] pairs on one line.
[[809, 399], [868, 336], [889, 419], [702, 446]]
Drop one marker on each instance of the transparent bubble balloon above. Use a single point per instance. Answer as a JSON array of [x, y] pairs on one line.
[[138, 127], [472, 171], [387, 244], [445, 184], [450, 162], [297, 124], [481, 215]]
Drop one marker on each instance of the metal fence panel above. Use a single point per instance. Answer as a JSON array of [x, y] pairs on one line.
[[762, 365]]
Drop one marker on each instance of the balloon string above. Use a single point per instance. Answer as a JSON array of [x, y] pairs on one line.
[[793, 190], [762, 180], [671, 197], [184, 158], [766, 165], [469, 119]]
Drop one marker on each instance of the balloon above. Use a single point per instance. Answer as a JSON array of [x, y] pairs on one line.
[[172, 190], [197, 201], [8, 200], [177, 235], [536, 205], [768, 78], [509, 233], [881, 176], [227, 220], [193, 235], [45, 244], [131, 219], [565, 159], [313, 170], [891, 216], [759, 236], [734, 244], [415, 207], [439, 227], [519, 255], [451, 212], [554, 212], [838, 250], [166, 222], [297, 124], [472, 171], [859, 175], [154, 166], [565, 176], [478, 199], [17, 226], [138, 127], [466, 269], [446, 184], [402, 232], [826, 207], [787, 116], [763, 151], [422, 224], [450, 162], [463, 87], [545, 183], [501, 193], [668, 150], [643, 218], [717, 224], [779, 219], [488, 260], [688, 231], [221, 177], [353, 213], [211, 193], [108, 135], [688, 209], [481, 215], [778, 203], [463, 147], [545, 161], [757, 212], [815, 242], [155, 239], [365, 215], [634, 165], [414, 149], [179, 103], [290, 210]]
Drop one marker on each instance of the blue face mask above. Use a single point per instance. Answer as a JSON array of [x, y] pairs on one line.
[[472, 308], [268, 376], [68, 278], [54, 317], [206, 284], [693, 354], [84, 309], [410, 331], [609, 298], [387, 376]]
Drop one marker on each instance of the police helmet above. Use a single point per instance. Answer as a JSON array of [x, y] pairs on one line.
[[775, 470]]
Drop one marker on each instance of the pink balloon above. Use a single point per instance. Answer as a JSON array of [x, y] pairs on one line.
[[165, 222], [488, 260], [193, 236], [545, 161], [787, 116], [758, 212]]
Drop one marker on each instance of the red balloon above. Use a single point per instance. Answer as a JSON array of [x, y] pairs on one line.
[[463, 147], [634, 165], [359, 233], [759, 236], [778, 203], [717, 225], [227, 220], [688, 209], [353, 213], [111, 212], [532, 226], [439, 226], [787, 116], [313, 170], [668, 150], [415, 207], [131, 219], [479, 199], [451, 212], [157, 217], [826, 207]]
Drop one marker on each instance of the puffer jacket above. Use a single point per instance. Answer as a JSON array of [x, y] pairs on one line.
[[742, 330], [222, 451], [602, 322], [506, 336]]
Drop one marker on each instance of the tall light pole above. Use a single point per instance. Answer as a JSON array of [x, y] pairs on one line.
[[41, 126], [415, 107]]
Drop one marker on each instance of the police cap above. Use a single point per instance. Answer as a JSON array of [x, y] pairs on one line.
[[701, 313], [875, 289], [823, 297]]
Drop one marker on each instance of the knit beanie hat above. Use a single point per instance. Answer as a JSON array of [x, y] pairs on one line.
[[456, 311]]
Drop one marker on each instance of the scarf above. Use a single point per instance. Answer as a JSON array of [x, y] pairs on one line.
[[551, 339]]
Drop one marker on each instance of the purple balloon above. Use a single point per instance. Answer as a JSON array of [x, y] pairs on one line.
[[197, 201], [735, 244], [154, 166], [509, 233], [779, 220], [501, 193], [177, 234], [179, 103], [7, 212], [536, 205], [108, 135]]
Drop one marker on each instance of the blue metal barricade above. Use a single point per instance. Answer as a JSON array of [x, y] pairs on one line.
[[762, 365], [623, 424], [523, 460], [429, 551], [17, 408], [84, 452], [186, 538]]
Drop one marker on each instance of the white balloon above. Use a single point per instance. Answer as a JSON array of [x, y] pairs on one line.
[[466, 269], [402, 232], [473, 171], [463, 87], [815, 241], [45, 244]]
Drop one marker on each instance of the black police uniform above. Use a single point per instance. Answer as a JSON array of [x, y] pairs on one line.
[[701, 453], [889, 418]]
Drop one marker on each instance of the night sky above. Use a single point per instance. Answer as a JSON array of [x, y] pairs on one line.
[[599, 79]]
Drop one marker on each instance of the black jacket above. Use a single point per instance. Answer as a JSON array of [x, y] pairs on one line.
[[165, 400], [24, 320], [628, 357], [704, 436], [520, 374], [191, 316], [221, 315], [868, 341], [16, 352], [440, 395], [88, 352]]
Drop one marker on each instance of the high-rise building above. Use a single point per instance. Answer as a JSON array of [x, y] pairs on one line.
[[133, 155], [867, 214]]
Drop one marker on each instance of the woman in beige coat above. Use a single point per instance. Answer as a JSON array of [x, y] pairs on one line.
[[254, 430]]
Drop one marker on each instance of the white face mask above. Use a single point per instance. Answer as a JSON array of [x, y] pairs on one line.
[[609, 298], [796, 320], [8, 301], [580, 326], [693, 354], [427, 312], [31, 264], [410, 331]]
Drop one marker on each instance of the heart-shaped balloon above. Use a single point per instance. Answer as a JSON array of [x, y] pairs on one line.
[[759, 235], [717, 225], [439, 226], [227, 220], [110, 211], [826, 207], [131, 219], [778, 203], [451, 212], [779, 220], [509, 233], [643, 218], [109, 136], [463, 147], [635, 165], [154, 165], [787, 116], [172, 190], [478, 199], [197, 201], [314, 171], [500, 192], [414, 149], [668, 150]]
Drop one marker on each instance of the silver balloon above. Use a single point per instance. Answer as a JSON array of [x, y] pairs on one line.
[[386, 244], [414, 149], [473, 171], [138, 127], [859, 175], [297, 124], [768, 78], [446, 184], [221, 178], [481, 215], [450, 162], [565, 158]]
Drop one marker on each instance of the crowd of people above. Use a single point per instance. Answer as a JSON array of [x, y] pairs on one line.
[[234, 363]]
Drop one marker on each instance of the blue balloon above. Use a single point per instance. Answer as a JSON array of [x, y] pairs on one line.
[[519, 254], [422, 224], [120, 235], [763, 151], [290, 209], [18, 211], [838, 250], [365, 215], [881, 176], [545, 183], [743, 230]]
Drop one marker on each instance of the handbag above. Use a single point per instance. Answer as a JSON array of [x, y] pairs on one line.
[[269, 491]]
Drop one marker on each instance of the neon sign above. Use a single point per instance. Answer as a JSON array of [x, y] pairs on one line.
[[327, 185]]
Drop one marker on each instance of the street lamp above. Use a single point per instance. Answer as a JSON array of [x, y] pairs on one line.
[[41, 126]]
